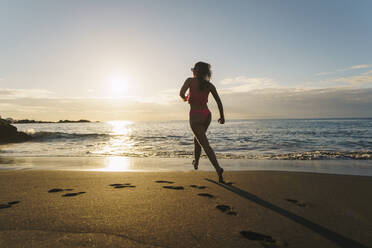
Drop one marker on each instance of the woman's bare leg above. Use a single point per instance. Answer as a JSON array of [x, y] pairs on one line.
[[197, 147], [197, 153], [199, 132]]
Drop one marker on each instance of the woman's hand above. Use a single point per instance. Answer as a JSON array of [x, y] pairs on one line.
[[221, 120], [219, 103]]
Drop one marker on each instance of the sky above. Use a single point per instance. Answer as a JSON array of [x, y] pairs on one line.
[[126, 60]]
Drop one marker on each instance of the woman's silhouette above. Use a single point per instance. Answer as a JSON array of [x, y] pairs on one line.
[[200, 116]]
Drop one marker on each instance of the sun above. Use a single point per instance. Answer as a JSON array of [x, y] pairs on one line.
[[119, 85]]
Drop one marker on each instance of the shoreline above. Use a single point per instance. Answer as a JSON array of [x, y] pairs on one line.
[[120, 209], [133, 164]]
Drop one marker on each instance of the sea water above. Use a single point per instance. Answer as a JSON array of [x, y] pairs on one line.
[[305, 139], [243, 140]]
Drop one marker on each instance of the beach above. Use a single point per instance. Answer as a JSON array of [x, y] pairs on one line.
[[115, 117], [183, 209]]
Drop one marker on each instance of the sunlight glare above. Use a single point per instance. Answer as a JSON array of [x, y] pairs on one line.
[[120, 127], [116, 164], [119, 85]]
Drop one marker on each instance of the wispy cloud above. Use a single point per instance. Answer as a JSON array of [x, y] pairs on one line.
[[358, 80], [360, 66], [24, 93], [295, 103], [164, 97], [354, 67], [262, 103], [268, 100], [245, 84]]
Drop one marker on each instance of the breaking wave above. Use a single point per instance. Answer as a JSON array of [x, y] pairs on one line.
[[317, 155], [240, 139], [49, 136]]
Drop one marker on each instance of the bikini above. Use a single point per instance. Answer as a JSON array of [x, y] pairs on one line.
[[200, 97]]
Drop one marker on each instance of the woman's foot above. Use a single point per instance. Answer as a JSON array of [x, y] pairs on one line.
[[220, 178], [196, 165]]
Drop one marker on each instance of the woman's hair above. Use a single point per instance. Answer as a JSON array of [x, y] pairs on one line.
[[203, 73]]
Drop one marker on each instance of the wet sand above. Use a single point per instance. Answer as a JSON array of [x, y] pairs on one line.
[[184, 209]]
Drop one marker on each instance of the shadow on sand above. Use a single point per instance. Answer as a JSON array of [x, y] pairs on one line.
[[322, 231]]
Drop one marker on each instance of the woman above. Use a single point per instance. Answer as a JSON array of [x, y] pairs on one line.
[[200, 116]]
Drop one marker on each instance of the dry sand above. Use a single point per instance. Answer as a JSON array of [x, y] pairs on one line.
[[273, 209]]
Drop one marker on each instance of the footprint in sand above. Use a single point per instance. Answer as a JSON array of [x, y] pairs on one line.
[[294, 201], [163, 181], [206, 195], [232, 213], [9, 204], [5, 206], [122, 185], [257, 237], [174, 187], [55, 190], [198, 187], [226, 209], [73, 194]]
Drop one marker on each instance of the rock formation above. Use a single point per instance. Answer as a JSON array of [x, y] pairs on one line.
[[9, 133]]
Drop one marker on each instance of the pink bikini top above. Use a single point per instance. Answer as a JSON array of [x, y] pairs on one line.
[[197, 96]]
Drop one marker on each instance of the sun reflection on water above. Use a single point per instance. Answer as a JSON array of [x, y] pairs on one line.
[[120, 127], [119, 144]]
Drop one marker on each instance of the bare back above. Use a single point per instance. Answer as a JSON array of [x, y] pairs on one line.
[[197, 99]]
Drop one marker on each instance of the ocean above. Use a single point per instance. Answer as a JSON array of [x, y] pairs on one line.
[[304, 139], [243, 140]]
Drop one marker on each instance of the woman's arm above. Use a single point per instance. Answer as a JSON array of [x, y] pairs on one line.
[[219, 103], [184, 88]]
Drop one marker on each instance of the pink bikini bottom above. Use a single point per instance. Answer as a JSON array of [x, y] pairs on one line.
[[204, 112]]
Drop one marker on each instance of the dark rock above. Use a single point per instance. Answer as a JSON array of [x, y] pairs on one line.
[[9, 133]]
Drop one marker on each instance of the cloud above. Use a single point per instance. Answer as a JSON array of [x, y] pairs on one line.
[[300, 103], [360, 80], [357, 80], [360, 66], [163, 98], [261, 103], [242, 97], [245, 84], [24, 93], [354, 67], [92, 108]]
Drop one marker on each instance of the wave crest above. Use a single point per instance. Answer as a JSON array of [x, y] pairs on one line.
[[48, 136]]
